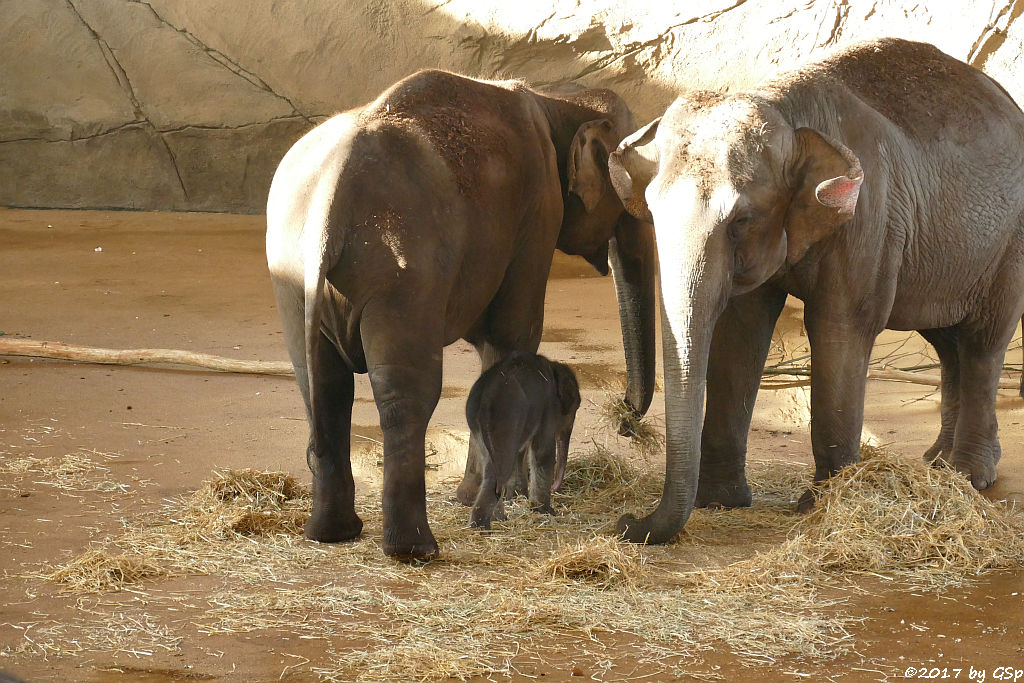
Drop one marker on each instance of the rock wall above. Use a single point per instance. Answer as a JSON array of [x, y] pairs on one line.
[[190, 104]]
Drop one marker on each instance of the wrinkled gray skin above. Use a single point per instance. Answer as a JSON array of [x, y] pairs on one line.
[[523, 408], [426, 216], [884, 187]]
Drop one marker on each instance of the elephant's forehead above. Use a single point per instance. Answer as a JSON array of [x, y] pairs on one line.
[[692, 199], [719, 145]]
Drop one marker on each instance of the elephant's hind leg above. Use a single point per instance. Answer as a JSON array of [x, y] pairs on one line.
[[945, 342], [403, 358], [334, 516], [976, 447]]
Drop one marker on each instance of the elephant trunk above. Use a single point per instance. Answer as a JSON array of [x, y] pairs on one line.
[[561, 458], [693, 297], [631, 252]]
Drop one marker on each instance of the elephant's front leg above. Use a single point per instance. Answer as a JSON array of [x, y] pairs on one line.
[[541, 459], [840, 352], [739, 347]]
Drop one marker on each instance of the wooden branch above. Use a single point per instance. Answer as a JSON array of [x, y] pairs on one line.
[[887, 374], [88, 354]]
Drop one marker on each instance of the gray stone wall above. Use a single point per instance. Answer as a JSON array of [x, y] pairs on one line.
[[190, 104]]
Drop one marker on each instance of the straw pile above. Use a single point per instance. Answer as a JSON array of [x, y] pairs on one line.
[[600, 560], [99, 571], [889, 514], [246, 502]]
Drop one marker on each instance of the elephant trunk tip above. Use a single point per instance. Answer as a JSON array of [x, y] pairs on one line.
[[632, 529], [629, 418]]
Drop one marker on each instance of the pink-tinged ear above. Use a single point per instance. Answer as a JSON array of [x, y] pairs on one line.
[[828, 180], [840, 193]]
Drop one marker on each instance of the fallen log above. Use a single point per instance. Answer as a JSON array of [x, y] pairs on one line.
[[88, 354], [885, 374]]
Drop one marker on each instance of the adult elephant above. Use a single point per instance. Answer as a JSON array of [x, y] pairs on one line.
[[884, 187], [429, 215]]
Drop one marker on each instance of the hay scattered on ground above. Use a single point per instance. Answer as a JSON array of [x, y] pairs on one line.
[[541, 584], [99, 571], [79, 471]]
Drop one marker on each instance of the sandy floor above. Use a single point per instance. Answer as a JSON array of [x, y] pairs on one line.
[[199, 282]]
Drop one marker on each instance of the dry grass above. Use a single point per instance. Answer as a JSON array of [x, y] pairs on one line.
[[98, 571], [888, 514], [646, 437], [551, 585], [80, 471], [601, 560]]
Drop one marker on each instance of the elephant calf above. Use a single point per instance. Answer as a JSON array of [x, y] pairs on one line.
[[526, 404]]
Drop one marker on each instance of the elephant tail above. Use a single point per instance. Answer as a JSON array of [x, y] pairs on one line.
[[316, 260]]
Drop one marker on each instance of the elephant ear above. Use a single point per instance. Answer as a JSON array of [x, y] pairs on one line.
[[632, 166], [588, 157], [828, 181], [567, 388]]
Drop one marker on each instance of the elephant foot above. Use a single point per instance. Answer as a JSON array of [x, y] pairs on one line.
[[979, 469], [410, 547], [468, 490], [806, 502], [723, 494], [326, 528], [482, 524], [543, 508], [982, 474], [939, 453]]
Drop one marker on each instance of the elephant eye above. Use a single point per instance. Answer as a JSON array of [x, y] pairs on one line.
[[739, 225]]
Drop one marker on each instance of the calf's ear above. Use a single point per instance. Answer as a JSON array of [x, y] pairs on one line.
[[566, 387], [828, 178]]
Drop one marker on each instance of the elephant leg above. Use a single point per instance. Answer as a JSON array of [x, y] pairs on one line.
[[840, 352], [333, 517], [739, 347], [469, 487], [945, 343], [541, 457], [519, 482], [487, 499], [405, 374], [976, 447]]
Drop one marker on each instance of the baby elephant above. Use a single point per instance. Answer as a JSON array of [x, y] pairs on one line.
[[525, 403]]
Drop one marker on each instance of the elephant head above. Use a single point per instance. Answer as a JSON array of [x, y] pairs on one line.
[[595, 226], [736, 195]]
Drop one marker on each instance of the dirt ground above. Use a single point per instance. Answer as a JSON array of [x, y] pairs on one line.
[[199, 282]]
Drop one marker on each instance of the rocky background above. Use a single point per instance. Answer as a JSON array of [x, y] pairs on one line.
[[190, 104]]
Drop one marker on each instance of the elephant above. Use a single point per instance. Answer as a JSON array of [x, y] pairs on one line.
[[427, 216], [522, 408], [884, 187]]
